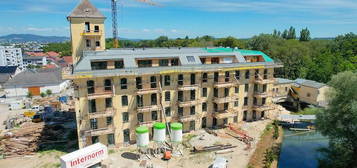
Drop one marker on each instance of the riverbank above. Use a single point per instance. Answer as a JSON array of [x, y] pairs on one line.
[[267, 148]]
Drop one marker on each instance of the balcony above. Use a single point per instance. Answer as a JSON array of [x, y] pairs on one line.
[[189, 103], [146, 89], [222, 83], [224, 114], [105, 113], [262, 94], [148, 108], [146, 123], [262, 107], [260, 80], [187, 118], [187, 87], [100, 92], [100, 131], [92, 33], [227, 99]]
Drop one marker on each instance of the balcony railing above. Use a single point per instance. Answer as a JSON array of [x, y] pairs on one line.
[[225, 99], [221, 114], [146, 123], [262, 94], [187, 118], [102, 113], [148, 108], [260, 80], [188, 87], [92, 33], [222, 83], [147, 89], [100, 92], [188, 103], [100, 131]]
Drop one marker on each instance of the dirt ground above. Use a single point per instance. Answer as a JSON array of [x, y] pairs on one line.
[[239, 158], [127, 157], [48, 159], [5, 113]]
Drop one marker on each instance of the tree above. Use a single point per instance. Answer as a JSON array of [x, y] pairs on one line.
[[285, 34], [29, 95], [291, 33], [229, 42], [339, 123], [49, 92], [305, 35], [43, 94], [161, 40]]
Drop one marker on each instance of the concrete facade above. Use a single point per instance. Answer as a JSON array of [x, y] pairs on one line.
[[23, 91], [118, 90], [230, 94], [35, 61], [11, 56]]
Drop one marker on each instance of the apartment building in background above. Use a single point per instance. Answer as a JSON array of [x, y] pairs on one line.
[[11, 56], [118, 90]]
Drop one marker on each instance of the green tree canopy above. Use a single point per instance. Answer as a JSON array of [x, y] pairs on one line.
[[305, 35], [339, 122]]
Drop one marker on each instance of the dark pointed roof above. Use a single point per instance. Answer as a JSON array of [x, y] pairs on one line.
[[85, 10]]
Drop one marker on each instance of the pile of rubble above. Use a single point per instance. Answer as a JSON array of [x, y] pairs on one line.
[[22, 141], [28, 139], [278, 110]]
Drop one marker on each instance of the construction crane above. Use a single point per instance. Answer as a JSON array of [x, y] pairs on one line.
[[115, 20]]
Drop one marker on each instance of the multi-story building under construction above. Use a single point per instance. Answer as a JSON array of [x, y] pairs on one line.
[[118, 90]]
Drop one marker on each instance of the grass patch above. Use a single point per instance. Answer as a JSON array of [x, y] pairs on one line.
[[56, 153], [51, 165], [111, 151], [267, 130], [271, 155]]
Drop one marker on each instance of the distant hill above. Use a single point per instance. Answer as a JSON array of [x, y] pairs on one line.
[[19, 38]]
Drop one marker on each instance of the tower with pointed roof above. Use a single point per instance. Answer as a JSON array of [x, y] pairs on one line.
[[87, 29]]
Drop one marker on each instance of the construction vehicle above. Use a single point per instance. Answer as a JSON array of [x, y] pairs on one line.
[[37, 118], [29, 113], [115, 20]]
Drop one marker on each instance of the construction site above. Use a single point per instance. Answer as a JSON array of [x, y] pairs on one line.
[[153, 107]]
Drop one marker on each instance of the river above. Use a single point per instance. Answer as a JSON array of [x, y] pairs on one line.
[[299, 149]]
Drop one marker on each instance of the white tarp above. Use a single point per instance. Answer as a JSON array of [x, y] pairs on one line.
[[85, 157]]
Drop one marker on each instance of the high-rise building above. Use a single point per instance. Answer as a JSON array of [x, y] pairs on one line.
[[117, 90], [11, 56]]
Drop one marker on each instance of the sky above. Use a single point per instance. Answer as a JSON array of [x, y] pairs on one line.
[[178, 18]]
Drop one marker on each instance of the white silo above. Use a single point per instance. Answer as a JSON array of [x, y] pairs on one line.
[[142, 136], [159, 132], [176, 132]]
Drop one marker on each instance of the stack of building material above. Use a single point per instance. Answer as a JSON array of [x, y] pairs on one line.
[[197, 149], [240, 135], [22, 141]]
